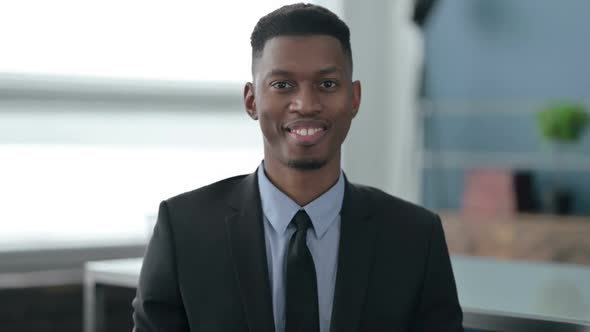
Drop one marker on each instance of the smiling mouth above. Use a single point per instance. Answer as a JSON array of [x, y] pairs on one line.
[[305, 131], [306, 135]]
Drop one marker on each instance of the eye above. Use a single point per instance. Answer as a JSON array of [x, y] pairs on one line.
[[281, 85], [328, 84]]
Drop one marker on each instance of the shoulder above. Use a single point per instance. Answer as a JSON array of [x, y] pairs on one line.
[[208, 195], [392, 209]]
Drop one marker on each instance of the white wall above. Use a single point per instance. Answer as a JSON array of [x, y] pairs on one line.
[[383, 147]]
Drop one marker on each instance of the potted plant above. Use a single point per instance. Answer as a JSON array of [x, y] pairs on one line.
[[561, 125]]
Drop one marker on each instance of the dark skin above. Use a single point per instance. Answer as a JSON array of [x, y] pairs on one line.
[[304, 98]]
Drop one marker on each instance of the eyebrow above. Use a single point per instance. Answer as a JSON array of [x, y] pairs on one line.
[[330, 70], [324, 71], [279, 72]]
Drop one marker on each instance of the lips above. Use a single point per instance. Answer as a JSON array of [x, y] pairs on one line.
[[307, 132]]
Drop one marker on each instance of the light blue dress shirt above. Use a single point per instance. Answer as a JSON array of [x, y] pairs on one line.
[[323, 240]]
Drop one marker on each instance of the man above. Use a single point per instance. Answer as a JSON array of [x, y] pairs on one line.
[[295, 246]]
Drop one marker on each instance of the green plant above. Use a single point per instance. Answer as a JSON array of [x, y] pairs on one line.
[[563, 122]]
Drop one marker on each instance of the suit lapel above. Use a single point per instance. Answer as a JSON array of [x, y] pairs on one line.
[[247, 245], [357, 248]]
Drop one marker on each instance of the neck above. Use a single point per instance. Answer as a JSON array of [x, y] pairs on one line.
[[302, 186]]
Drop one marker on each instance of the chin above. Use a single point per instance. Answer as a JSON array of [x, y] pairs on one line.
[[306, 164]]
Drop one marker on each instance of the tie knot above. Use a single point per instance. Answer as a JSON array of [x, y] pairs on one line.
[[301, 220]]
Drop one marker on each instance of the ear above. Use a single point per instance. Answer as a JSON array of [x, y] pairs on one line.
[[250, 101], [356, 97]]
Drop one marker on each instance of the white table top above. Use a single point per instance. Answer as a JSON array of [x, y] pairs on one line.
[[544, 289], [118, 272], [551, 292]]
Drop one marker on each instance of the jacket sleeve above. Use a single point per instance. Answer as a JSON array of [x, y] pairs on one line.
[[158, 304], [439, 308]]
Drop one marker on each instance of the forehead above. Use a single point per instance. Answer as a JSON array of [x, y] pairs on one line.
[[301, 54]]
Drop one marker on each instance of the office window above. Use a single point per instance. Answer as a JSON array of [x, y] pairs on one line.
[[108, 107], [172, 40], [97, 189]]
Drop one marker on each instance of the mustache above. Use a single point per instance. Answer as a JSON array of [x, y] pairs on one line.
[[307, 123]]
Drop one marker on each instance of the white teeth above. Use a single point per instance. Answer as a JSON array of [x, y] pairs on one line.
[[307, 131]]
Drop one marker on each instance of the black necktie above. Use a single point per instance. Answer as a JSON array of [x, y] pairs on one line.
[[302, 289]]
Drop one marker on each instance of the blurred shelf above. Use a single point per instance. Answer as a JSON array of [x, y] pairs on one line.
[[450, 159], [478, 107], [531, 237]]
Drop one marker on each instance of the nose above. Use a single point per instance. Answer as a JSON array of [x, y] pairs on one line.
[[306, 101]]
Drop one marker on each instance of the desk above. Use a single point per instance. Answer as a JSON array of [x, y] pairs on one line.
[[496, 295], [522, 296], [120, 272]]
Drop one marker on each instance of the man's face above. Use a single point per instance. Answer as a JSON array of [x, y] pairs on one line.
[[304, 98]]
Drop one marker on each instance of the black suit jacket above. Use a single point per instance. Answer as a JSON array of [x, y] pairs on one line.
[[206, 269]]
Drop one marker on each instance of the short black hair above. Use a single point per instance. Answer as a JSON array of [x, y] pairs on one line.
[[299, 19]]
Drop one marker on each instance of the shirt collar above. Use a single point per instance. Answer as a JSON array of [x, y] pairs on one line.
[[279, 208]]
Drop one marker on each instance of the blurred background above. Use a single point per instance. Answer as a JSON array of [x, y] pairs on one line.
[[476, 109]]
